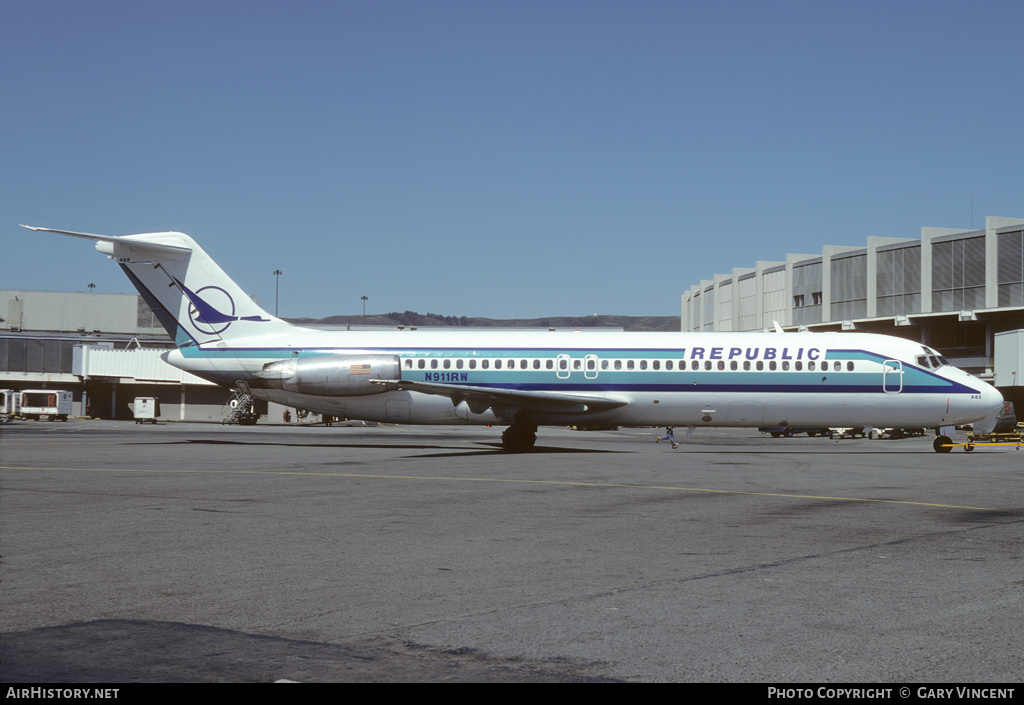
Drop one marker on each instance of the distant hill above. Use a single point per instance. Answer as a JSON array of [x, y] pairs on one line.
[[411, 318]]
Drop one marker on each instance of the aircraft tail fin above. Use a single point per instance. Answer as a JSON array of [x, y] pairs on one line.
[[191, 296]]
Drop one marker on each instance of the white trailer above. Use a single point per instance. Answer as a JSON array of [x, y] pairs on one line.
[[146, 409], [10, 404], [52, 404], [1009, 359]]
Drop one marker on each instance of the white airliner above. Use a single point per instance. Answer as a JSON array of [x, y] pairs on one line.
[[529, 379]]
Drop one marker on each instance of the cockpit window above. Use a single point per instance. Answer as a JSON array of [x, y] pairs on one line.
[[932, 359]]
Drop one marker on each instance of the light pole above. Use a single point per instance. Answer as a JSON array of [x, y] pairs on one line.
[[364, 298], [277, 282]]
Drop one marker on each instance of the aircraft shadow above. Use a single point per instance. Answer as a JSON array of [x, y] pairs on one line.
[[113, 651], [497, 449], [447, 450]]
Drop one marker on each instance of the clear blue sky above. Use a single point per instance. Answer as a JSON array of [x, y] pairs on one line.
[[503, 158]]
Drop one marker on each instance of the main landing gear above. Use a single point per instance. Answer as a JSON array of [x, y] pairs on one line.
[[521, 435]]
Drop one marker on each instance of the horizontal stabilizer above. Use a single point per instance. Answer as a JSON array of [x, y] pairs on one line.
[[138, 243]]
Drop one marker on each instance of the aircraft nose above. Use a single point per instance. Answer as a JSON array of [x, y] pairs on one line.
[[992, 397]]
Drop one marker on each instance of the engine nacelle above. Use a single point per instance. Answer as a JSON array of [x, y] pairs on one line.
[[331, 375]]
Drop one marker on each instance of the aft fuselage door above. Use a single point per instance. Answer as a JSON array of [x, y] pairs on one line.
[[590, 366]]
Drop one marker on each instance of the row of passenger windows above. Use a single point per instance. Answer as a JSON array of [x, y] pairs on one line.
[[591, 364]]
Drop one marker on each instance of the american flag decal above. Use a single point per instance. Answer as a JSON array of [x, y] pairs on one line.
[[360, 369]]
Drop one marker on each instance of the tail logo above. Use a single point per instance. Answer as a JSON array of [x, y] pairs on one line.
[[207, 308]]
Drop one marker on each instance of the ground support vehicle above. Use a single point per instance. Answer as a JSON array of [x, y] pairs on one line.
[[146, 409], [10, 405], [790, 431], [863, 432], [896, 433], [52, 404], [1013, 438]]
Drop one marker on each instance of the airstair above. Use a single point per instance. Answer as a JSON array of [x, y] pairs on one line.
[[242, 410]]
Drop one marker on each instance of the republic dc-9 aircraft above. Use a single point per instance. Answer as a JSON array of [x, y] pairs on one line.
[[549, 378]]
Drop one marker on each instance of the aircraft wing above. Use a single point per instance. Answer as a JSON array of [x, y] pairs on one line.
[[480, 399]]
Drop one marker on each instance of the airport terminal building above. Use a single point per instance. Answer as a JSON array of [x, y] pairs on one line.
[[958, 291], [104, 348]]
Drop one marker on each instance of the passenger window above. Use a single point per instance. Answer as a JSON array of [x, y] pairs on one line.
[[810, 365], [772, 366], [721, 364], [497, 364], [785, 364], [824, 365], [746, 364], [618, 364], [604, 364], [694, 364], [707, 364], [472, 364], [550, 364], [733, 365], [656, 364], [408, 363], [668, 364], [798, 365], [536, 364], [849, 366], [433, 364], [643, 364], [421, 363], [459, 363], [522, 364], [630, 364], [576, 364], [760, 365], [563, 364], [485, 364]]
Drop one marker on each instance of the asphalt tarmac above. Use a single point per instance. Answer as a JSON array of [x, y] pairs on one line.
[[203, 553]]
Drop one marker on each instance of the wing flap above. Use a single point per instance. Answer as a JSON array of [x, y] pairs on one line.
[[482, 398]]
